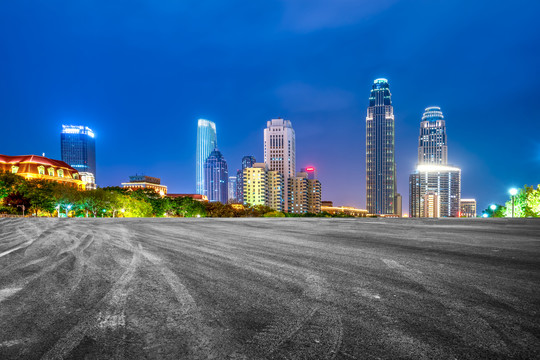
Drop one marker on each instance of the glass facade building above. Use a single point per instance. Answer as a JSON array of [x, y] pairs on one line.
[[380, 157], [78, 149], [206, 143], [432, 147], [216, 177]]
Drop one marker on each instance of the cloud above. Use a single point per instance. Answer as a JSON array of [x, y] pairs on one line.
[[312, 15], [301, 97]]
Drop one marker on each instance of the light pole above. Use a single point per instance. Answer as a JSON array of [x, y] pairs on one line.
[[493, 208], [513, 192], [58, 210], [67, 210]]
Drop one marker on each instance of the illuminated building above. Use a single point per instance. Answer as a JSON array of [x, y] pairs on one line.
[[275, 190], [311, 172], [40, 167], [247, 161], [78, 150], [431, 205], [206, 143], [467, 207], [380, 158], [280, 151], [145, 182], [304, 194], [255, 184], [445, 181], [433, 174], [232, 189], [216, 177], [347, 210], [197, 197]]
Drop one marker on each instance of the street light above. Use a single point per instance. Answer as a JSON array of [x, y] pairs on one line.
[[493, 208], [67, 210], [513, 192], [58, 209]]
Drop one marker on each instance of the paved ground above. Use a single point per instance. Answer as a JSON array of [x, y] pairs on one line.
[[269, 289]]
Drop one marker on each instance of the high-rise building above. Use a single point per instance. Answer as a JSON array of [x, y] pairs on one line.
[[304, 194], [247, 162], [255, 184], [206, 143], [432, 147], [78, 149], [467, 207], [216, 177], [380, 158], [232, 189], [280, 150], [275, 190], [433, 174]]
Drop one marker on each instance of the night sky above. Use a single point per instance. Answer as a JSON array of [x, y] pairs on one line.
[[140, 74]]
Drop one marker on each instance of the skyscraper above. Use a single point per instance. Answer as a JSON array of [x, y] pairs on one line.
[[380, 158], [216, 177], [233, 196], [206, 143], [78, 149], [432, 147], [433, 175], [280, 150], [247, 162]]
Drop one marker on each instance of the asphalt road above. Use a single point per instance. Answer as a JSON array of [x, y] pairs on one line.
[[269, 289]]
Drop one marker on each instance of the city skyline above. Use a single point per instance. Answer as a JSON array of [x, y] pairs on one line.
[[141, 92]]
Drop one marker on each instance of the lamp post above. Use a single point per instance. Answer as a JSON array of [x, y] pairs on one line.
[[493, 208], [67, 210], [513, 192], [58, 210]]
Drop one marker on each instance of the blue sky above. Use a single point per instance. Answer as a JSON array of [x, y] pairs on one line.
[[140, 74]]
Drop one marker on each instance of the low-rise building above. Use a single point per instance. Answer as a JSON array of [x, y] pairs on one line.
[[197, 197], [467, 207], [145, 182], [40, 167], [348, 210]]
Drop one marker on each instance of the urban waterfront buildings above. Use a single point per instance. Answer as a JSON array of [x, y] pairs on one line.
[[78, 150], [216, 177], [433, 175], [467, 208], [40, 167], [145, 182], [206, 143], [280, 151], [380, 156], [247, 161]]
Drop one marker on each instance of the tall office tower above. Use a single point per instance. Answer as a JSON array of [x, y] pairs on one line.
[[247, 162], [216, 177], [206, 143], [380, 160], [255, 184], [280, 151], [467, 208], [432, 173], [78, 148], [232, 189], [432, 147]]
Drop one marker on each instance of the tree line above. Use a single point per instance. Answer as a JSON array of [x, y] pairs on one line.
[[526, 204], [40, 197]]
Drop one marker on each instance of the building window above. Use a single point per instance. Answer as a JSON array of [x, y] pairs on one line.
[[41, 170], [60, 173], [14, 169], [76, 176], [51, 171]]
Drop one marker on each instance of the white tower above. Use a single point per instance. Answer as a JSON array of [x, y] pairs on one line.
[[280, 151]]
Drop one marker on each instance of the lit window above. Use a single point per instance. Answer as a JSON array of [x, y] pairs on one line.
[[51, 171], [60, 173], [14, 169], [41, 170]]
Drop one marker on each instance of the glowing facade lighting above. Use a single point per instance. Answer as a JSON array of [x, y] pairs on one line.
[[206, 143]]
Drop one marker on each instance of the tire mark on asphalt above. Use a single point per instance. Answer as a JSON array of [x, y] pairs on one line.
[[192, 321], [112, 303], [7, 292]]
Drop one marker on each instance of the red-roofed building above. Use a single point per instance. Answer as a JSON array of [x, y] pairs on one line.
[[40, 167], [197, 197]]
